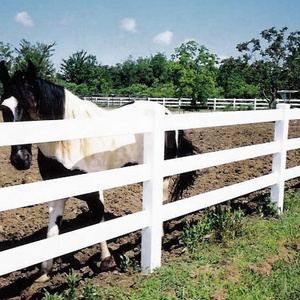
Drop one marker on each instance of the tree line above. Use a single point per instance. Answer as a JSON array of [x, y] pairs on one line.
[[265, 65]]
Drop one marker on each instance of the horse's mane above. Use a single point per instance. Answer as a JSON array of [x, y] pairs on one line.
[[50, 99]]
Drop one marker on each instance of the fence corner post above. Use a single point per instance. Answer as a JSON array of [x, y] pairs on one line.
[[279, 158], [153, 195]]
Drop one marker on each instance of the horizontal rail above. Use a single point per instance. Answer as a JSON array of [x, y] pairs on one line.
[[293, 144], [47, 131], [207, 160], [118, 101], [192, 204], [59, 130], [13, 197], [36, 252], [292, 173], [238, 102], [215, 119]]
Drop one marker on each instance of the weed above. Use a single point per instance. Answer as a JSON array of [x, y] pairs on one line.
[[68, 294], [128, 264], [226, 224], [291, 199], [216, 225], [195, 234], [267, 208]]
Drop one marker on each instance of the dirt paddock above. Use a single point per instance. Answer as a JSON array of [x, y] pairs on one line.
[[21, 226]]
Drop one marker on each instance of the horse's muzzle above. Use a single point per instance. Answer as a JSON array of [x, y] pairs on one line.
[[21, 160]]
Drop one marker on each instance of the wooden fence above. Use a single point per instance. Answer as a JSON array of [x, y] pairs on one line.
[[151, 173]]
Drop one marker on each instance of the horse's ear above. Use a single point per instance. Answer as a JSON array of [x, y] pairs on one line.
[[31, 71], [4, 76]]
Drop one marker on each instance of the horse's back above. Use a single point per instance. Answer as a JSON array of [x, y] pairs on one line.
[[142, 107]]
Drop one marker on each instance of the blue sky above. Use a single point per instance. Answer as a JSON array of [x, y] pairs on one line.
[[113, 30]]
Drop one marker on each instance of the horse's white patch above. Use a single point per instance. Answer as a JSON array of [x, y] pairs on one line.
[[96, 154], [12, 104], [92, 154]]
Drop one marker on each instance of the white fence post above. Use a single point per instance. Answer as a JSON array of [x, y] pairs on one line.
[[153, 195], [279, 158]]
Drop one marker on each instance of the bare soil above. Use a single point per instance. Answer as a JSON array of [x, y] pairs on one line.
[[21, 226]]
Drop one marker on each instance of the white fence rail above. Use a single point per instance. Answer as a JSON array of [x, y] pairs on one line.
[[151, 173], [212, 103], [256, 104], [119, 101]]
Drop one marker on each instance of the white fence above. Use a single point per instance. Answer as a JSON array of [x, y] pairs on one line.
[[119, 101], [215, 103], [151, 173], [212, 103]]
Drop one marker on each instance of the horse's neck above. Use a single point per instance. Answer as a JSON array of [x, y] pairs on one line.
[[76, 108]]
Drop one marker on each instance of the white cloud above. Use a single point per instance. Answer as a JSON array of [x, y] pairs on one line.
[[128, 24], [24, 19], [164, 38]]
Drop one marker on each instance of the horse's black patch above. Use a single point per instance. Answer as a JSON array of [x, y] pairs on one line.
[[50, 99], [52, 169], [58, 221], [41, 99]]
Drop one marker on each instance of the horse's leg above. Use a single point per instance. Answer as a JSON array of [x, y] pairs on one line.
[[166, 189], [105, 254], [56, 211], [96, 209]]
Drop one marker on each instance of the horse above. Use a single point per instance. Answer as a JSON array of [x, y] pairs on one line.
[[26, 97]]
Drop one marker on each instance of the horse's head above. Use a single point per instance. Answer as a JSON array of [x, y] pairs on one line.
[[17, 104]]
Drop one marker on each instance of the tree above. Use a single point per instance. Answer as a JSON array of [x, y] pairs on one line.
[[6, 54], [268, 57], [235, 78], [79, 68], [292, 63], [86, 74], [39, 54], [193, 70], [159, 65]]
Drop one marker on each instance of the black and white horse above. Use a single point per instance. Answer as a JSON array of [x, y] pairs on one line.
[[27, 98]]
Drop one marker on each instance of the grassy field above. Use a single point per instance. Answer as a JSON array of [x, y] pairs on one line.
[[228, 256]]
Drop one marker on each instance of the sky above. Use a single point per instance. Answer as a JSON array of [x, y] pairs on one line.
[[112, 30]]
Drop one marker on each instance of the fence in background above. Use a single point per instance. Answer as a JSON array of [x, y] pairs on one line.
[[212, 103], [151, 173], [119, 101], [255, 104]]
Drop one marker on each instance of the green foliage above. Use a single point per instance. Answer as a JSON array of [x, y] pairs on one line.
[[39, 54], [273, 61], [69, 294], [194, 72], [129, 264], [267, 208], [217, 225]]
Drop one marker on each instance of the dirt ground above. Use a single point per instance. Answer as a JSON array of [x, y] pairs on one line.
[[21, 226]]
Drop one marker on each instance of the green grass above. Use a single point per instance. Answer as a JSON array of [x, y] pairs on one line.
[[260, 260]]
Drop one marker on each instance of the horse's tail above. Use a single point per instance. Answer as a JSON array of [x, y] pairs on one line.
[[184, 148]]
